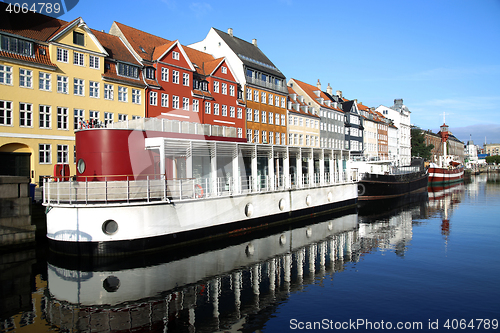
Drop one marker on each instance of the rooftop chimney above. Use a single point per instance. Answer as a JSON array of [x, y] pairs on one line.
[[254, 42], [329, 89], [318, 85], [230, 32], [339, 93]]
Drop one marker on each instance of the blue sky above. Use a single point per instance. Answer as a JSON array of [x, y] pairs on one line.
[[439, 56]]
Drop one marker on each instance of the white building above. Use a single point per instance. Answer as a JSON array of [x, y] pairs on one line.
[[400, 115]]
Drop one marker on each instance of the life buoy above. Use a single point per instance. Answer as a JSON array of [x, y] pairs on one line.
[[200, 195]]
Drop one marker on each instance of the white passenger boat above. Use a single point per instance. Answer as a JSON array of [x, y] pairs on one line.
[[154, 183]]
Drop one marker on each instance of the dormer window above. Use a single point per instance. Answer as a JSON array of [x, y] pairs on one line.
[[128, 70], [78, 38], [224, 70], [15, 45], [175, 55], [150, 73]]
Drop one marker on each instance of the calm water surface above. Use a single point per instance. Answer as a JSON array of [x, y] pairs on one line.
[[432, 264]]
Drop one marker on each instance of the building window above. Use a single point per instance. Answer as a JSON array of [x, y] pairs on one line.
[[283, 102], [62, 118], [44, 116], [216, 109], [231, 90], [78, 118], [263, 99], [44, 81], [164, 74], [256, 116], [256, 136], [44, 154], [25, 78], [224, 70], [108, 118], [271, 118], [283, 138], [249, 114], [277, 101], [93, 62], [108, 91], [224, 110], [122, 94], [255, 95], [185, 103], [78, 38], [153, 97], [78, 58], [185, 79], [25, 115], [128, 70], [62, 55], [62, 154], [249, 135], [196, 105], [216, 86], [224, 88], [15, 45], [239, 113], [79, 87], [264, 136], [271, 138], [94, 89], [271, 99], [136, 96], [240, 133], [231, 111], [249, 94], [175, 55], [62, 84], [175, 102], [94, 116], [277, 140], [207, 107], [264, 117], [175, 77], [5, 74], [164, 100], [150, 73], [283, 120], [122, 117], [296, 121]]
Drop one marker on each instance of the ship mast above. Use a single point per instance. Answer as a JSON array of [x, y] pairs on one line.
[[444, 138]]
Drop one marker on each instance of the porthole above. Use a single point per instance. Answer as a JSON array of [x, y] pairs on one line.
[[80, 166], [111, 284], [249, 210], [281, 204], [308, 200], [249, 250], [282, 239], [110, 227], [330, 196], [309, 232]]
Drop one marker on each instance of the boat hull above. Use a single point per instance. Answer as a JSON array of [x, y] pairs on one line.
[[82, 229], [444, 175], [379, 187]]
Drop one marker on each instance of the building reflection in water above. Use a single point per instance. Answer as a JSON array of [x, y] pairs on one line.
[[236, 286]]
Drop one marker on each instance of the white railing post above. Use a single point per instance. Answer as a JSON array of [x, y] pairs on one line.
[[128, 189], [147, 188], [180, 189], [106, 189], [86, 190]]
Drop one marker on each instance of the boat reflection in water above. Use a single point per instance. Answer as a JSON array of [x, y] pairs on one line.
[[236, 286], [442, 200]]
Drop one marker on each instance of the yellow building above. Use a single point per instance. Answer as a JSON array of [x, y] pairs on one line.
[[54, 77], [303, 124]]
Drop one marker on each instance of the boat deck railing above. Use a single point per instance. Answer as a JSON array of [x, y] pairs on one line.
[[150, 188]]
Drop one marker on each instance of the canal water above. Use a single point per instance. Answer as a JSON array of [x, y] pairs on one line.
[[428, 264]]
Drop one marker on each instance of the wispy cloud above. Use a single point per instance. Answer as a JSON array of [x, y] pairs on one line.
[[200, 9]]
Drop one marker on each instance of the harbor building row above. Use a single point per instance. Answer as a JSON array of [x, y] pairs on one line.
[[57, 77]]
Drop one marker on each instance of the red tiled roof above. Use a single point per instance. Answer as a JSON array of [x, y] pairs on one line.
[[115, 47], [40, 56], [111, 73], [140, 40], [310, 90], [301, 104]]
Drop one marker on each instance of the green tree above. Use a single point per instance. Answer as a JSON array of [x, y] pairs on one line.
[[418, 146], [493, 159]]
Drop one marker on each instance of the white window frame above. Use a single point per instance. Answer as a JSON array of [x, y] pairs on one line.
[[136, 96], [164, 100], [6, 75], [78, 87], [153, 98], [239, 113], [224, 88], [94, 62], [78, 117], [185, 103], [122, 94], [93, 89], [45, 116], [62, 118], [109, 91], [164, 74], [249, 114], [62, 84], [231, 90], [25, 78], [263, 117], [216, 87], [44, 153], [108, 118], [224, 110], [196, 105], [25, 114], [208, 108], [185, 79], [44, 81], [232, 111], [78, 59], [256, 116], [62, 55], [122, 117], [175, 102], [63, 154], [175, 55], [271, 118], [216, 109], [175, 76]]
